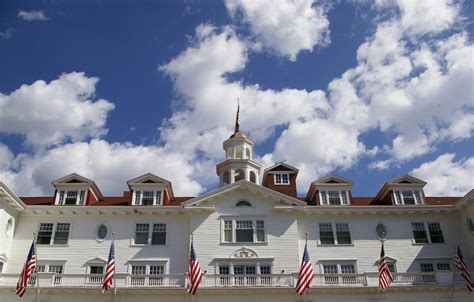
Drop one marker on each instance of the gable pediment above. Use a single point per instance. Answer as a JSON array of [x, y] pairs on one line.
[[332, 180], [148, 178], [407, 180], [72, 178], [258, 191]]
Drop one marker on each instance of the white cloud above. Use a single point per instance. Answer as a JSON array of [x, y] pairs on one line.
[[109, 164], [6, 157], [33, 15], [51, 113], [447, 177], [286, 27], [7, 34]]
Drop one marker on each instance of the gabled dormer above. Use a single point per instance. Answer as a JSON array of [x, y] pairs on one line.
[[330, 190], [76, 190], [150, 190], [404, 190], [281, 177]]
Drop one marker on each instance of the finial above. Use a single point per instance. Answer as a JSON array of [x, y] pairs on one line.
[[306, 236], [113, 235], [237, 119]]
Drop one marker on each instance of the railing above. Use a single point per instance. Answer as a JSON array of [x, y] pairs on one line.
[[370, 279]]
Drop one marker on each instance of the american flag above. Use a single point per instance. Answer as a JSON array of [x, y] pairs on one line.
[[385, 277], [462, 267], [194, 272], [110, 270], [306, 274], [30, 265]]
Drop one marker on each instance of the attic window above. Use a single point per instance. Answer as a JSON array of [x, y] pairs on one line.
[[282, 179], [407, 197], [147, 198], [71, 198], [243, 203], [334, 197]]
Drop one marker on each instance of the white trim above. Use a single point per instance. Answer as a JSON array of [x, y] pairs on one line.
[[341, 192], [234, 220], [334, 234], [427, 232], [281, 174], [53, 233], [150, 234]]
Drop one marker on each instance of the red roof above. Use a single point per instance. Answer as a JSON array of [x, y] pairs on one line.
[[37, 201]]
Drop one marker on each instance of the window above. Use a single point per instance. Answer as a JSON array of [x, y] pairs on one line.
[[1, 267], [334, 197], [407, 197], [420, 235], [436, 235], [102, 232], [224, 270], [55, 268], [97, 271], [381, 231], [147, 274], [71, 197], [334, 273], [243, 203], [244, 274], [240, 230], [147, 198], [282, 179], [337, 233], [157, 236], [49, 234]]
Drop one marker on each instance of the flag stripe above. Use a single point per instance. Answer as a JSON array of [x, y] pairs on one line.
[[194, 272], [28, 268], [306, 273], [385, 277], [462, 267], [110, 270]]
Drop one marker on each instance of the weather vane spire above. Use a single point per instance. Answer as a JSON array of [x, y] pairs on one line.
[[237, 119]]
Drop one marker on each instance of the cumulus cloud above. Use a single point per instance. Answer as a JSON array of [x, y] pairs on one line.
[[109, 164], [51, 113], [33, 15], [446, 176], [285, 27]]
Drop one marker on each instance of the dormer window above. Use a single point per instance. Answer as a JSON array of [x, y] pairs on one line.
[[407, 197], [282, 179], [147, 198], [71, 197], [334, 197]]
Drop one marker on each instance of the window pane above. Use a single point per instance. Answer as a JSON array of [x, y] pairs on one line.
[[71, 198], [398, 197], [391, 267], [158, 197], [284, 179], [324, 199], [159, 234], [417, 197], [141, 233], [325, 233], [260, 231], [147, 199], [228, 230], [344, 197], [157, 270], [96, 270], [265, 270], [102, 231], [278, 178], [137, 197], [334, 198], [347, 269], [426, 267], [343, 234], [443, 267], [435, 232], [330, 269], [61, 197], [138, 270], [419, 232], [244, 231], [62, 233], [45, 233], [408, 197], [82, 197]]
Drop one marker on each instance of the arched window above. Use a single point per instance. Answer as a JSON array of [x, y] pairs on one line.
[[239, 175], [229, 153], [226, 178], [243, 203], [253, 177], [239, 153], [248, 153]]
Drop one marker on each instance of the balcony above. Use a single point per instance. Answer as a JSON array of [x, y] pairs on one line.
[[124, 280]]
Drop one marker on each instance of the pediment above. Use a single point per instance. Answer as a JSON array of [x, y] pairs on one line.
[[148, 178], [96, 260], [72, 178], [332, 179], [275, 197], [244, 253], [407, 180]]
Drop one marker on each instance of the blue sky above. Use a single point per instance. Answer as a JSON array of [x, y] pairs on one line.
[[114, 89]]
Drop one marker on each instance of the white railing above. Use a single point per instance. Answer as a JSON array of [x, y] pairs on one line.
[[124, 280]]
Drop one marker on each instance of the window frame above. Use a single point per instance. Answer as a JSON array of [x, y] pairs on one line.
[[344, 198], [427, 232], [53, 233], [281, 182], [233, 229], [81, 196], [334, 234], [138, 195], [399, 199], [150, 233], [147, 277]]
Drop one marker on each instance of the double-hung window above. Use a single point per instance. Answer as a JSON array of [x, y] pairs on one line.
[[282, 179], [149, 274], [334, 233], [150, 233], [243, 230], [421, 236], [53, 267], [71, 197], [53, 233], [429, 268], [407, 197], [147, 198], [334, 197], [339, 273]]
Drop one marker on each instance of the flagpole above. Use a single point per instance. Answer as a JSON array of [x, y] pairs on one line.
[[189, 253], [306, 244], [379, 292], [36, 267], [453, 270], [115, 273]]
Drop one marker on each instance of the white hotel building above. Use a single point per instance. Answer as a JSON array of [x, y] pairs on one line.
[[249, 236]]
